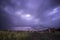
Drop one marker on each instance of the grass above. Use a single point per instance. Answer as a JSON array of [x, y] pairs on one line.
[[12, 35]]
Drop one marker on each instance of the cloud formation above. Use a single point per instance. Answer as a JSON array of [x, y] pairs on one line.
[[30, 13]]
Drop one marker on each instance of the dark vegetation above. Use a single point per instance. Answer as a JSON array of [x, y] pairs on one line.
[[26, 35]]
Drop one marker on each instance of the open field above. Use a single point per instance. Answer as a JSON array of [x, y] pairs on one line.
[[14, 35]]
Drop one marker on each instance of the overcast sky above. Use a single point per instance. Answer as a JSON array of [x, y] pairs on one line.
[[36, 13]]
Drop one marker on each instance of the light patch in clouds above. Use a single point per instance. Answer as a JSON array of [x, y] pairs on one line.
[[26, 16], [19, 12], [54, 11]]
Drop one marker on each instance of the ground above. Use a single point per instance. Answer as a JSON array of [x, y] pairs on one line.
[[15, 35]]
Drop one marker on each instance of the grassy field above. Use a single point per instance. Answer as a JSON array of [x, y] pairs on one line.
[[11, 35]]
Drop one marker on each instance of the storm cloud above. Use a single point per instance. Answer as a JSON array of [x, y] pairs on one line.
[[34, 13]]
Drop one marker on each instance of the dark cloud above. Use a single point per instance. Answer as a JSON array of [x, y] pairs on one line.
[[55, 2], [30, 13]]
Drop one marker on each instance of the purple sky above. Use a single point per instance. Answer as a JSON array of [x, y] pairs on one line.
[[39, 13]]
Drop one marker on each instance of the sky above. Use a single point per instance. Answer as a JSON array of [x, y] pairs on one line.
[[34, 13]]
